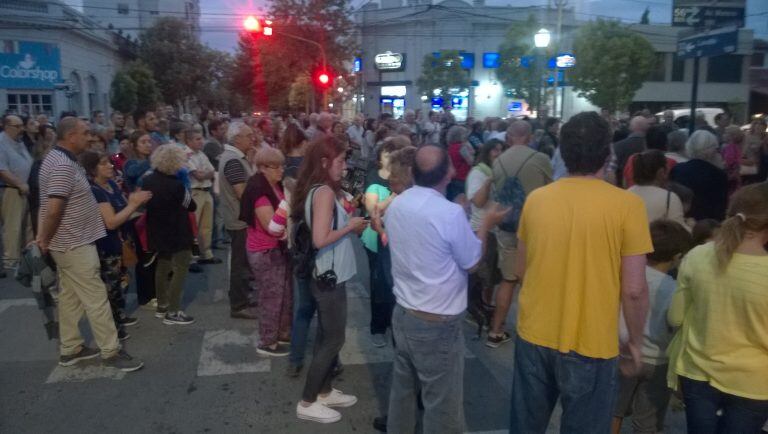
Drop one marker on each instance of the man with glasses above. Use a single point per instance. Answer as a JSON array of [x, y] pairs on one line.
[[15, 165]]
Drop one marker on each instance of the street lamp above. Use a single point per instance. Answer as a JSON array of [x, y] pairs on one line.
[[541, 40]]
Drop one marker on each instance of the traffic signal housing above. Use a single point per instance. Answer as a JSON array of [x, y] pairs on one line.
[[255, 26]]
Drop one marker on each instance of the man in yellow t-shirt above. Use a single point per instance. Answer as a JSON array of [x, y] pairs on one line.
[[582, 245]]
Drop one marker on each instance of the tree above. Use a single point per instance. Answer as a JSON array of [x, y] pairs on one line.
[[441, 74], [123, 93], [646, 17], [517, 71], [281, 59], [176, 58], [147, 92], [613, 62], [300, 92]]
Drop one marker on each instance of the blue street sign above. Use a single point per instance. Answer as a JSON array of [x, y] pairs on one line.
[[29, 65], [714, 43], [699, 15], [357, 66]]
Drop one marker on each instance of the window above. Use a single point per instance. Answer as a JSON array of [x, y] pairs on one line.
[[659, 72], [30, 103], [678, 68], [724, 69], [123, 9]]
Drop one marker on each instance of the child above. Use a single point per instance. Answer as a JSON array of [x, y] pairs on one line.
[[646, 396]]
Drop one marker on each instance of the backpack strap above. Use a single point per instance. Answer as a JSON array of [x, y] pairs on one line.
[[519, 168]]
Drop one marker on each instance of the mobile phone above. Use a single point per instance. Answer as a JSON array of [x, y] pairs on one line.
[[367, 218]]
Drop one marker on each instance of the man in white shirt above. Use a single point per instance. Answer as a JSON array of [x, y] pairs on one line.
[[433, 248], [201, 174]]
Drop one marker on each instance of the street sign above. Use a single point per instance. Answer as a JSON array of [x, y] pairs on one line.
[[711, 13], [713, 43]]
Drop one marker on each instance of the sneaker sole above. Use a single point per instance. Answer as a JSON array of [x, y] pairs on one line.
[[124, 338], [267, 353], [129, 324], [79, 359], [318, 419], [131, 369], [341, 404], [160, 315], [171, 322]]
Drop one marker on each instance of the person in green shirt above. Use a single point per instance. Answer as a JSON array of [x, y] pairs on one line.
[[377, 198]]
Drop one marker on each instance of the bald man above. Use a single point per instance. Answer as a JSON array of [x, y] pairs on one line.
[[533, 170], [432, 248], [15, 165], [635, 143]]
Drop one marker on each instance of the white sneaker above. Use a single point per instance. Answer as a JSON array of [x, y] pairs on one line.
[[317, 412], [337, 399]]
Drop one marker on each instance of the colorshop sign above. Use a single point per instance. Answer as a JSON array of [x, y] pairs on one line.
[[30, 65]]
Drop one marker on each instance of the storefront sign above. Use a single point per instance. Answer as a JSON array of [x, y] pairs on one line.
[[389, 61], [566, 60], [29, 65]]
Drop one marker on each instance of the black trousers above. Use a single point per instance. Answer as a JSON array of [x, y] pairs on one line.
[[239, 271]]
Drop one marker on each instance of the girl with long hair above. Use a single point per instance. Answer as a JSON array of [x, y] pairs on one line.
[[720, 352], [317, 201]]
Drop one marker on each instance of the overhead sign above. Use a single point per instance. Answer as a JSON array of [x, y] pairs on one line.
[[710, 14], [389, 61], [357, 66], [565, 60], [29, 65], [713, 43]]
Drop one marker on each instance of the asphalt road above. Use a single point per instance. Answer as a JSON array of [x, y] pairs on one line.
[[207, 377]]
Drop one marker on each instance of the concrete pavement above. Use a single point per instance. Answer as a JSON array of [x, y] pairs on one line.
[[207, 377]]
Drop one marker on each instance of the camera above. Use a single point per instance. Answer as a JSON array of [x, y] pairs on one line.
[[326, 281]]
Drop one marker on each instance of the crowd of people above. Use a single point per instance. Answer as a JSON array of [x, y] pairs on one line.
[[638, 251]]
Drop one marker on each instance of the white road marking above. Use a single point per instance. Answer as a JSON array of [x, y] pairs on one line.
[[11, 302], [87, 370], [230, 352]]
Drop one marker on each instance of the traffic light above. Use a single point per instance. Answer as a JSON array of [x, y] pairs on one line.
[[323, 79], [254, 25], [251, 24]]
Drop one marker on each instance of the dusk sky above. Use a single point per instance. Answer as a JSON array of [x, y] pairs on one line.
[[218, 15]]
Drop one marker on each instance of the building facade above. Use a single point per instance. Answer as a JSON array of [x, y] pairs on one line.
[[395, 38], [130, 17], [54, 59]]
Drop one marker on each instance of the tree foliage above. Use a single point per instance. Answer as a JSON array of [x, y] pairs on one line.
[[147, 91], [176, 58], [646, 17], [613, 62], [123, 93], [442, 74], [518, 43], [265, 65], [300, 92]]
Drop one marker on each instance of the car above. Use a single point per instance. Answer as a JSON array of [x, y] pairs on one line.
[[683, 115]]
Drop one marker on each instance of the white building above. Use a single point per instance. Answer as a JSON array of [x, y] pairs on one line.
[[132, 16], [401, 36], [54, 59]]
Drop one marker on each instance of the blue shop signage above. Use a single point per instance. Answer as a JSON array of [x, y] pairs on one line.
[[29, 65]]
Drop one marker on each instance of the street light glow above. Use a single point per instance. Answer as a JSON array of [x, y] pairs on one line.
[[341, 89], [251, 24], [541, 38]]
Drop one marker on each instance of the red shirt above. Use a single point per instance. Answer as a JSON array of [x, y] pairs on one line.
[[459, 163]]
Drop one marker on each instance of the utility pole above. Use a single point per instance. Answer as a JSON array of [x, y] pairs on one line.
[[558, 44]]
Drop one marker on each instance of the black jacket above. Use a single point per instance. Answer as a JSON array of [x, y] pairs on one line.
[[709, 185], [168, 225]]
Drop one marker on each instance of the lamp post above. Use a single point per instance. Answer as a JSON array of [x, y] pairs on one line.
[[541, 40]]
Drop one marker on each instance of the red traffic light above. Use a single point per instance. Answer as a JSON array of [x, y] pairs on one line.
[[251, 24], [323, 78]]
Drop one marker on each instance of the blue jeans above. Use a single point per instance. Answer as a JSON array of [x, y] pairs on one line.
[[702, 402], [586, 388], [429, 359], [304, 307]]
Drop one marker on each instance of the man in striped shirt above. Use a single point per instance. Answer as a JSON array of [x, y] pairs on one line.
[[70, 224]]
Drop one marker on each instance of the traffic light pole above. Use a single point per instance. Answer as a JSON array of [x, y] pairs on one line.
[[694, 95]]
